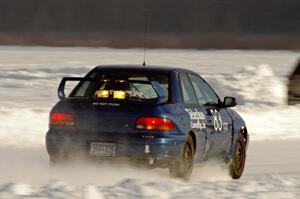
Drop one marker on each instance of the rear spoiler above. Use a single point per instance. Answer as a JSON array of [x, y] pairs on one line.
[[158, 89], [61, 87]]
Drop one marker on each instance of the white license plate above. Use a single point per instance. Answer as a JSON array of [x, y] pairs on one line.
[[102, 149]]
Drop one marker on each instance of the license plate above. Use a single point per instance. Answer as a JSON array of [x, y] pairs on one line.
[[102, 149]]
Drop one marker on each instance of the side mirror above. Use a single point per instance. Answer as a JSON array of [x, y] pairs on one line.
[[229, 102]]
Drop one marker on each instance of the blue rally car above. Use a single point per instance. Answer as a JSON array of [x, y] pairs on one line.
[[161, 116]]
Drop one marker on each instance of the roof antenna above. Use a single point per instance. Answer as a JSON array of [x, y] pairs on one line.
[[145, 43]]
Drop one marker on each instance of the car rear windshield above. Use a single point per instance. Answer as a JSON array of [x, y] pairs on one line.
[[122, 80]]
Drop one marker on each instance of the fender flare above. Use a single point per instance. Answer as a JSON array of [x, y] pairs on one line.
[[243, 130]]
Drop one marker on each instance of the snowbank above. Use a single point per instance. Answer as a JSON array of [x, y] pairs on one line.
[[261, 187], [29, 94], [261, 97], [29, 77], [253, 86]]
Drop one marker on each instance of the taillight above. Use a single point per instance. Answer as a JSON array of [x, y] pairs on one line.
[[61, 119], [154, 123]]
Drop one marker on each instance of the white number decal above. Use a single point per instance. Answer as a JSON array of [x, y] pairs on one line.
[[197, 119], [218, 123]]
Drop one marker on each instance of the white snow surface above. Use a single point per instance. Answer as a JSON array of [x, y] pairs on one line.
[[29, 77]]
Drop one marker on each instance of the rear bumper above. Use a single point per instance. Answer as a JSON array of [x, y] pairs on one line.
[[133, 146]]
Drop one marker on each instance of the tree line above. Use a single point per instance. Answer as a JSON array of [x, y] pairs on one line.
[[181, 17]]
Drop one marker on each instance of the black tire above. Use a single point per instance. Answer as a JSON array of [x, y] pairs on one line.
[[237, 164], [184, 167]]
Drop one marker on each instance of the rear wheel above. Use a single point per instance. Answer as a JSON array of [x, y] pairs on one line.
[[237, 164], [184, 167]]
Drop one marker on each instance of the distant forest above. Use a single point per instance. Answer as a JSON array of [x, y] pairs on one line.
[[226, 24]]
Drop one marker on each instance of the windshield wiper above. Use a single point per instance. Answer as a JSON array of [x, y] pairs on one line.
[[141, 94]]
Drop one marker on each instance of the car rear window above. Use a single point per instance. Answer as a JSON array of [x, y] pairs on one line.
[[122, 80]]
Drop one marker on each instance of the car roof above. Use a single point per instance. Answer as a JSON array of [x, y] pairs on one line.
[[144, 68]]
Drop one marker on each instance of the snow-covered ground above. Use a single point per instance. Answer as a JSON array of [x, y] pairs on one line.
[[29, 77]]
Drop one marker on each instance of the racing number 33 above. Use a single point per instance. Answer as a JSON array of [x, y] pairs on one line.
[[218, 123]]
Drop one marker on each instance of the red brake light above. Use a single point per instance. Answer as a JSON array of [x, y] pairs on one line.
[[61, 119], [154, 123]]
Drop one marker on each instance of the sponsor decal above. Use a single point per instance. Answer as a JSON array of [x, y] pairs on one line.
[[105, 104], [197, 118]]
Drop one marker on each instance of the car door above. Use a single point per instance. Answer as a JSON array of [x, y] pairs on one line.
[[218, 121], [197, 118]]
